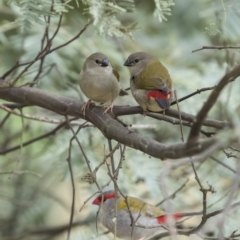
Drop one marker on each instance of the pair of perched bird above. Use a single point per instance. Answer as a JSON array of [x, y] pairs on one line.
[[150, 81]]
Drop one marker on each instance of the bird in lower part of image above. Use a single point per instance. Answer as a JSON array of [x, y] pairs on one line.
[[99, 81], [150, 82], [135, 219]]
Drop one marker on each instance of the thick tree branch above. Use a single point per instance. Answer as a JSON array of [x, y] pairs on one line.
[[110, 127]]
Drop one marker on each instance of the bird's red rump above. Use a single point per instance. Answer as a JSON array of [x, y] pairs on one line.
[[163, 219], [157, 94]]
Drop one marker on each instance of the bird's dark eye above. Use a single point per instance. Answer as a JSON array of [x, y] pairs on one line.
[[136, 60], [97, 61], [100, 199]]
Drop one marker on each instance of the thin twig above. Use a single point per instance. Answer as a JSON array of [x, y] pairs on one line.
[[72, 180], [214, 48], [173, 195], [192, 94], [47, 50], [60, 126], [223, 164], [180, 118]]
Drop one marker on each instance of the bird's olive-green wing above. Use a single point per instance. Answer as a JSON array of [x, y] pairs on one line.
[[153, 76], [138, 206], [116, 74]]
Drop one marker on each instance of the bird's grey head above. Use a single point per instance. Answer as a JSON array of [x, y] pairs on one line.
[[96, 60], [137, 61]]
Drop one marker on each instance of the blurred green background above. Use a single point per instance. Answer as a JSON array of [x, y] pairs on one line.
[[43, 200]]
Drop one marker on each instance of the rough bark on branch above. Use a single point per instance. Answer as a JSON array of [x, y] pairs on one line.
[[110, 127]]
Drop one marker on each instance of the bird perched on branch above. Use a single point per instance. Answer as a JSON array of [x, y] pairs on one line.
[[150, 82], [134, 218], [99, 81]]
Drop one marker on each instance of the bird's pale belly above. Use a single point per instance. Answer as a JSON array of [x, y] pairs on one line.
[[147, 226], [101, 91]]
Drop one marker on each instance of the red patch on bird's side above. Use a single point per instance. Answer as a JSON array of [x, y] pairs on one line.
[[163, 219], [157, 94]]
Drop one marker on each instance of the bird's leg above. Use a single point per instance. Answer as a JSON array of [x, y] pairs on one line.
[[86, 106], [108, 107], [145, 111]]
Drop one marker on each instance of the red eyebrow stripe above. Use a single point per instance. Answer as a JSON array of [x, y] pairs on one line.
[[109, 195], [105, 196]]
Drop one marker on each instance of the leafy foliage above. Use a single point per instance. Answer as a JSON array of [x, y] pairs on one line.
[[36, 11], [105, 15], [163, 8]]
